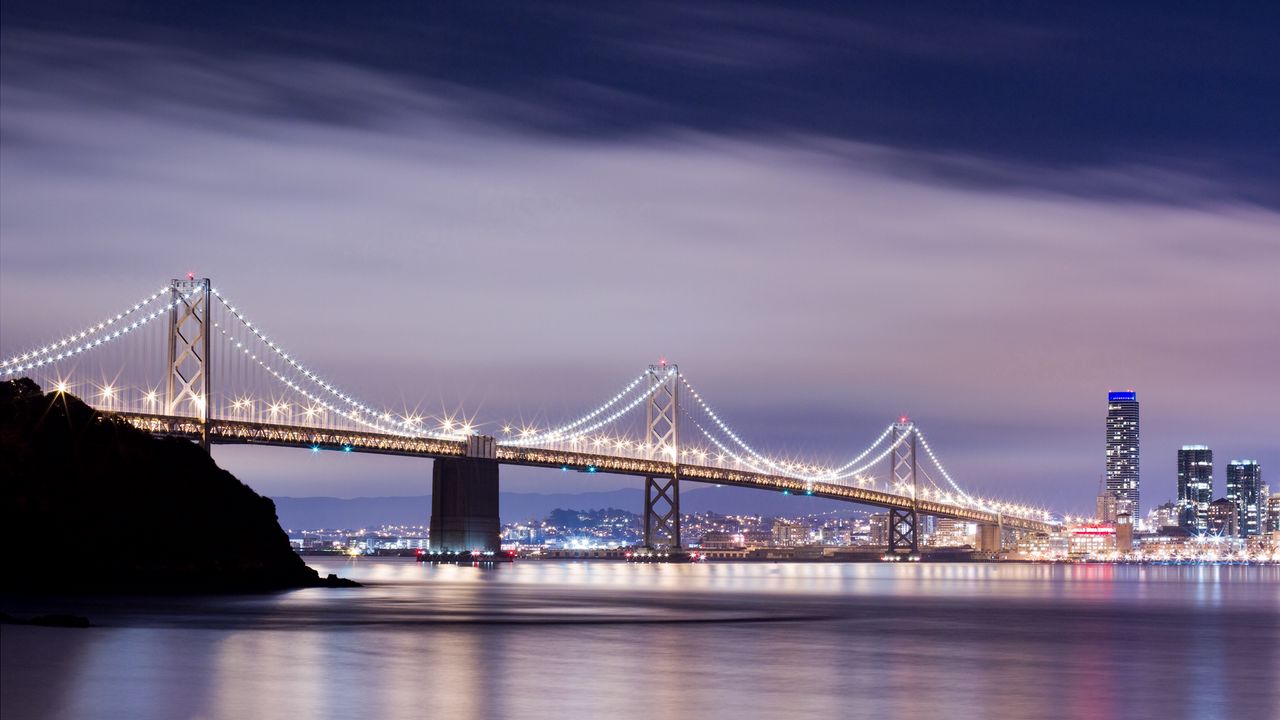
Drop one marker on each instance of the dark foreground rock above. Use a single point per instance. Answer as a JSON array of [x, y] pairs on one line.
[[93, 505], [57, 620]]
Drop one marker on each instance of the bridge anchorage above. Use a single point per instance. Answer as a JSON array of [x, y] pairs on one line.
[[208, 374]]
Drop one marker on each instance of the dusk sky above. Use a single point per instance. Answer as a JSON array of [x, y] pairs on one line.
[[828, 216]]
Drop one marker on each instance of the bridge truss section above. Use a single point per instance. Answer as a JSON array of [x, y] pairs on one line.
[[662, 436], [188, 374]]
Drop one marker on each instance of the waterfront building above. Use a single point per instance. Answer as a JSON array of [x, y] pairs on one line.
[[1273, 513], [1122, 456], [1124, 533], [1244, 488], [1105, 511], [1163, 515], [951, 532], [1042, 546], [1091, 540], [721, 540], [1222, 518], [1195, 487]]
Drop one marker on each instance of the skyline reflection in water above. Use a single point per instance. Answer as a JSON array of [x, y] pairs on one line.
[[569, 640]]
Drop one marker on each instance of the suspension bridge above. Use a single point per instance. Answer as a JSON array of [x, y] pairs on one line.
[[186, 362]]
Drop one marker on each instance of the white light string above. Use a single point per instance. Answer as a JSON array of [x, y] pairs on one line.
[[353, 416], [938, 464], [831, 475], [545, 437], [95, 342], [834, 479], [306, 373], [725, 428], [550, 434], [866, 452], [75, 337]]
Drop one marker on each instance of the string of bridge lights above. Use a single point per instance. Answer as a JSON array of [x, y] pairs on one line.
[[832, 475], [938, 464], [288, 382], [736, 458], [878, 459], [95, 342], [864, 453], [308, 374], [551, 437], [361, 413], [725, 428], [591, 415], [74, 337], [788, 471]]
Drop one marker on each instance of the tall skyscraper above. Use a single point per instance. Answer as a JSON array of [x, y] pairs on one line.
[[1244, 488], [1195, 487], [1122, 455]]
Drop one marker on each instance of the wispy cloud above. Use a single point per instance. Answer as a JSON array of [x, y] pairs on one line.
[[395, 234]]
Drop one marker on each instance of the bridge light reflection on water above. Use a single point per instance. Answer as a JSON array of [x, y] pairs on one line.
[[714, 641]]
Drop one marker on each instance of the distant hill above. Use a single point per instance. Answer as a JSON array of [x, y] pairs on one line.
[[93, 504], [309, 513]]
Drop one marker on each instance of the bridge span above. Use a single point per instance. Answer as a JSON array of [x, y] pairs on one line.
[[234, 432], [186, 362]]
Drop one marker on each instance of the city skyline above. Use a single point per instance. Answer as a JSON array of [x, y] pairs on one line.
[[833, 274]]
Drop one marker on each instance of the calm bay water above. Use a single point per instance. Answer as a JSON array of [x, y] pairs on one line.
[[611, 640]]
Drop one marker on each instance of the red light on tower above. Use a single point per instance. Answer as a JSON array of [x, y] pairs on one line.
[[662, 362], [903, 419], [191, 276]]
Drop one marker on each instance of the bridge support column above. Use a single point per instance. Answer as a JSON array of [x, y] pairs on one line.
[[662, 437], [662, 513], [188, 384], [903, 542], [989, 539], [464, 501]]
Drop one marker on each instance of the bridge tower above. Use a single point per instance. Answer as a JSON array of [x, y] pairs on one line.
[[903, 523], [662, 437], [188, 378]]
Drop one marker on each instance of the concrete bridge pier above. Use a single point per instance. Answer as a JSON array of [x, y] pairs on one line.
[[464, 500], [989, 538]]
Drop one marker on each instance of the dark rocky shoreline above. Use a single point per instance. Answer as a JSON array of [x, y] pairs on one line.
[[98, 506]]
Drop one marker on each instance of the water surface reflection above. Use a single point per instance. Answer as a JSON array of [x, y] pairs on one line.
[[550, 639]]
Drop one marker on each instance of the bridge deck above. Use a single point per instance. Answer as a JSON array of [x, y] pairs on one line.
[[243, 432]]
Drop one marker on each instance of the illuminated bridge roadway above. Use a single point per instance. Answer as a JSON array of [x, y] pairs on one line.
[[155, 365]]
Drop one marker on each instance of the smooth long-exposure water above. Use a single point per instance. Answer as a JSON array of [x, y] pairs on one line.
[[612, 640]]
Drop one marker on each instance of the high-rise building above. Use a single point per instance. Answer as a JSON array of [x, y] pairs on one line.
[[1195, 487], [1222, 518], [1244, 488], [1122, 455]]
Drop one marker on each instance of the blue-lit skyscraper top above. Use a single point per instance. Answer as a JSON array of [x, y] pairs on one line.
[[1124, 396]]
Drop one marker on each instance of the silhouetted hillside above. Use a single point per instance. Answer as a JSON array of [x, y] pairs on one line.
[[92, 504]]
